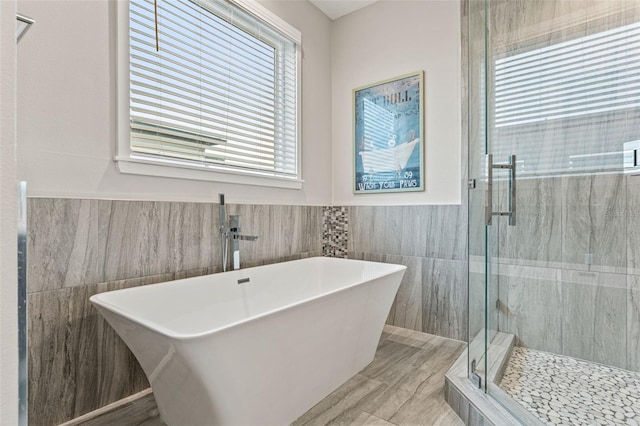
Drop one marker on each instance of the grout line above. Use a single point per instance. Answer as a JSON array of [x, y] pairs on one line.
[[380, 418]]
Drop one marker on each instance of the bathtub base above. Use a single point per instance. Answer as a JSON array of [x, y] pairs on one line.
[[273, 371]]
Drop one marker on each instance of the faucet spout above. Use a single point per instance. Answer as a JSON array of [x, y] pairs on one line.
[[246, 237]]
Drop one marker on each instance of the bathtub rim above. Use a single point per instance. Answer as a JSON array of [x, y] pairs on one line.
[[162, 330]]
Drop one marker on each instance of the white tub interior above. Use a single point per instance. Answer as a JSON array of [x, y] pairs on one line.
[[210, 303]]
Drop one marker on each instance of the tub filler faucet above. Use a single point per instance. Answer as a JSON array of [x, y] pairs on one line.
[[230, 237]]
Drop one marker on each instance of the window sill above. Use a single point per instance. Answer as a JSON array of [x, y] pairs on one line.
[[143, 167]]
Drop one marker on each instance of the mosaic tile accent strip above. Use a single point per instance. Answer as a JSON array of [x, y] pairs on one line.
[[565, 391], [335, 231]]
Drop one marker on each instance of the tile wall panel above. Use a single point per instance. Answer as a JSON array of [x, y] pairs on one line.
[[432, 242], [594, 223], [63, 243], [376, 229], [136, 238], [282, 230], [77, 363], [532, 310], [426, 231], [444, 298], [633, 225], [633, 322], [538, 222], [446, 229], [77, 248], [406, 311], [594, 309]]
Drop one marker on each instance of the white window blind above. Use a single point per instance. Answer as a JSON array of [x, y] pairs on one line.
[[570, 106], [219, 93]]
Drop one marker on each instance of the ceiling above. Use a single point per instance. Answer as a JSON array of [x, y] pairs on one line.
[[337, 8]]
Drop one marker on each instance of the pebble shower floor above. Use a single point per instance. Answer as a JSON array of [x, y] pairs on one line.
[[566, 391]]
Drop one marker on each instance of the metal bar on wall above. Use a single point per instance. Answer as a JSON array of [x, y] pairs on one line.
[[22, 304]]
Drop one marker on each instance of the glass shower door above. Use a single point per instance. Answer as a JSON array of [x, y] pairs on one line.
[[483, 238], [557, 84]]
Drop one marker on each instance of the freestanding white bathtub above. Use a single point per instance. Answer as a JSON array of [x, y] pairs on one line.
[[218, 350]]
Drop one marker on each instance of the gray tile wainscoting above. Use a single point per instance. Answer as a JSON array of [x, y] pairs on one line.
[[433, 231], [77, 363], [431, 240], [78, 242], [80, 247]]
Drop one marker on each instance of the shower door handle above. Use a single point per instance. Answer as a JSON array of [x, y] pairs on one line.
[[488, 200], [488, 195]]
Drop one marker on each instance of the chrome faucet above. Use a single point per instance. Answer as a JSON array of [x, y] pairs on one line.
[[230, 237]]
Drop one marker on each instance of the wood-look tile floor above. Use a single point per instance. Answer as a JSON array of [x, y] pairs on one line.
[[404, 385]]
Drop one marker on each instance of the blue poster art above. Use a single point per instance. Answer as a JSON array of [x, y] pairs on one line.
[[388, 136]]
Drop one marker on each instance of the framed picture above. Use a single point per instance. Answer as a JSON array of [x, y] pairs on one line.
[[388, 135]]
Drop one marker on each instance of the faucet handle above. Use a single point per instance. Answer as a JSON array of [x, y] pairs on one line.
[[234, 223]]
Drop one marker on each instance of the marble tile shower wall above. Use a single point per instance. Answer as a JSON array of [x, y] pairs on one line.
[[431, 240], [78, 248], [568, 273]]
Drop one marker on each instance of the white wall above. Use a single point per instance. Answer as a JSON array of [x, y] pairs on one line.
[[66, 104], [385, 40], [8, 218]]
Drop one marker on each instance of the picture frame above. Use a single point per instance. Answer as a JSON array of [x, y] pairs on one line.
[[388, 135]]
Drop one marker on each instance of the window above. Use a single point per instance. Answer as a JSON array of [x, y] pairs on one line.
[[211, 92], [570, 106]]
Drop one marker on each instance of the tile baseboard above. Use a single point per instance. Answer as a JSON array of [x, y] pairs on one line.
[[136, 409]]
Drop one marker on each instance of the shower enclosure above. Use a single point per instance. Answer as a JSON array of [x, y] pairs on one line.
[[554, 203]]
